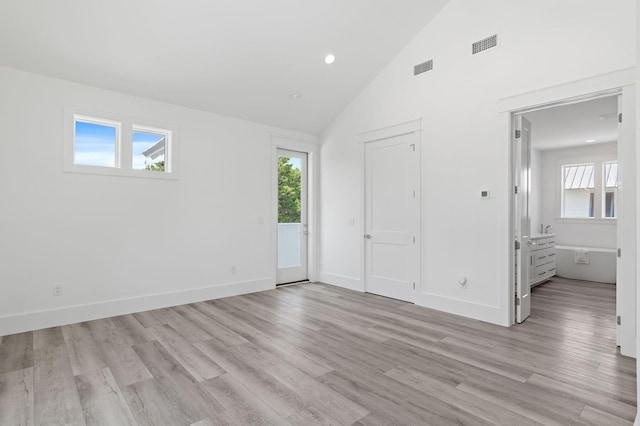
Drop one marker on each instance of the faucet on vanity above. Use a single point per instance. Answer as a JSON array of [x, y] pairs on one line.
[[545, 229]]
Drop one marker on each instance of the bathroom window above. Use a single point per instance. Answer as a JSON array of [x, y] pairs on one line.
[[610, 189], [578, 190], [589, 191]]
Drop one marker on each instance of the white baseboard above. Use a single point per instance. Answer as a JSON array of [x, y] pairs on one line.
[[486, 313], [343, 281], [71, 314]]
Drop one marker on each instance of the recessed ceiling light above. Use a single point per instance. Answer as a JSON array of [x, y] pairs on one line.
[[329, 59], [590, 140]]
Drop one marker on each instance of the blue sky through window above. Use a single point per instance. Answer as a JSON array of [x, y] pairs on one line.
[[95, 145], [295, 162]]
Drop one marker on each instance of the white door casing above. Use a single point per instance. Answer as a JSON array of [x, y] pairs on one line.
[[617, 82], [391, 240]]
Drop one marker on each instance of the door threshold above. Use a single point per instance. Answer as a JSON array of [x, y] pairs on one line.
[[292, 283]]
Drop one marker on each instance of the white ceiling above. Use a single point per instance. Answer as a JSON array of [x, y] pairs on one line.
[[243, 58], [571, 125]]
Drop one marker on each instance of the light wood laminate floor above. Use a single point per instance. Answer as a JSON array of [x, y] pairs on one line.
[[316, 354]]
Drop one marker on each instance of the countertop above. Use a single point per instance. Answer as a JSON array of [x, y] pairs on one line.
[[538, 236]]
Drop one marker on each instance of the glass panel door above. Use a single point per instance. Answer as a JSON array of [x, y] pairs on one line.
[[292, 216]]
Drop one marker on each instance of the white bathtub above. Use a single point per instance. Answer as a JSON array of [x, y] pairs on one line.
[[601, 266]]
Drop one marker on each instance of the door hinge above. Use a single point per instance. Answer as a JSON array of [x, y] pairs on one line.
[[414, 193], [516, 189], [414, 286], [517, 245], [619, 252], [517, 301], [620, 118], [518, 134], [619, 320], [414, 240], [413, 146]]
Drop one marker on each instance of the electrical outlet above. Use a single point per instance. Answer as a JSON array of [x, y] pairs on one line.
[[57, 290], [234, 269]]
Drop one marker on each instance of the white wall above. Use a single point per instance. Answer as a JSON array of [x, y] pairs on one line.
[[574, 232], [464, 136], [85, 231], [536, 198]]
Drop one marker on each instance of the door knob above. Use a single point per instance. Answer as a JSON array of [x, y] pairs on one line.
[[367, 236]]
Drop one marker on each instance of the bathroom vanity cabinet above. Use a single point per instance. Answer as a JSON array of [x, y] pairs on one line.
[[543, 255]]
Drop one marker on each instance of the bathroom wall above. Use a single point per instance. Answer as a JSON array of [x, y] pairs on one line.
[[535, 199], [573, 232]]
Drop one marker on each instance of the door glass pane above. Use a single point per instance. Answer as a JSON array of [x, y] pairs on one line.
[[289, 212]]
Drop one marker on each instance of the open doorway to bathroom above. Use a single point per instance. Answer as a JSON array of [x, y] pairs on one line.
[[566, 172]]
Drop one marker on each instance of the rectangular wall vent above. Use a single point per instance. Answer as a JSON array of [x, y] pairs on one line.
[[423, 67], [484, 44]]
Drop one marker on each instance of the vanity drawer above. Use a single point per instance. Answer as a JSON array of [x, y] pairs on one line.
[[551, 254], [551, 242], [541, 273], [542, 256], [539, 244]]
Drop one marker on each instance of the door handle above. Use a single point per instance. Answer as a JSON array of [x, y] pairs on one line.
[[305, 230], [367, 236]]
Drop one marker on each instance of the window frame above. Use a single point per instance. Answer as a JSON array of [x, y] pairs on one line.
[[126, 125], [599, 189], [168, 147], [101, 122], [592, 191], [614, 190]]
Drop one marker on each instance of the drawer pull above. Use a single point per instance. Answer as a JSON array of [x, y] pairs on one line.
[[551, 270], [552, 242], [551, 254], [541, 257], [542, 273]]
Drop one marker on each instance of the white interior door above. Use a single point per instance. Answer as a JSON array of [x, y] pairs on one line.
[[619, 235], [524, 259], [292, 217], [391, 216]]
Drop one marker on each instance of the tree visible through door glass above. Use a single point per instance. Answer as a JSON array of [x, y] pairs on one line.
[[289, 184], [289, 212]]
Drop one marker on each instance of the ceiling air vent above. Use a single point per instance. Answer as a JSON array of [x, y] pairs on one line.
[[423, 67], [484, 44]]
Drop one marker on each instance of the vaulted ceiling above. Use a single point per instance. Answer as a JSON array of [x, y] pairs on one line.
[[242, 58]]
